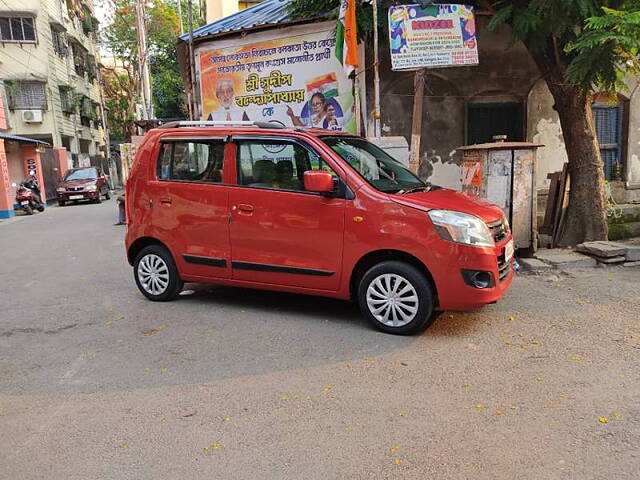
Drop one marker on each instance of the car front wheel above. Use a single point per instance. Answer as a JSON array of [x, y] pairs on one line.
[[156, 274], [397, 298]]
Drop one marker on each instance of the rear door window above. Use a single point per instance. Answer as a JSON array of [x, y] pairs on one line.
[[191, 161]]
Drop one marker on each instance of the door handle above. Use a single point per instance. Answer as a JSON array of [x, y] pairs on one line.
[[165, 200], [245, 207]]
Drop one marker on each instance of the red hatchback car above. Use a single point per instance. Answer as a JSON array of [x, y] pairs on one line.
[[313, 212], [86, 183]]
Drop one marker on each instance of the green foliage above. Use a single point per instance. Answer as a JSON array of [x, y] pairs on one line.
[[607, 50], [123, 83], [330, 9], [592, 43]]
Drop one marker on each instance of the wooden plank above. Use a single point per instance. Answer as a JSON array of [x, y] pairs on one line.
[[547, 225], [560, 205]]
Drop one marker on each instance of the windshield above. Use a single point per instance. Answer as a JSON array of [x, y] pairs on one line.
[[375, 165], [83, 174]]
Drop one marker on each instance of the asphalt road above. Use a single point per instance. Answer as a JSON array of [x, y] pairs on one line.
[[98, 383]]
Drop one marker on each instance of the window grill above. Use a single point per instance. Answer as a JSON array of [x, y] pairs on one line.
[[608, 120], [17, 29], [28, 96], [59, 42]]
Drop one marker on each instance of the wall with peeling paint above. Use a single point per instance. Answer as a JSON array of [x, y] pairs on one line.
[[633, 146], [543, 126], [506, 74]]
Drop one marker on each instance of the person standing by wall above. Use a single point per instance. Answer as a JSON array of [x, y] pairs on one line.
[[122, 216]]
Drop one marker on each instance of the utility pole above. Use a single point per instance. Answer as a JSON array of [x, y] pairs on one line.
[[376, 73], [180, 17], [192, 67], [416, 121], [144, 61]]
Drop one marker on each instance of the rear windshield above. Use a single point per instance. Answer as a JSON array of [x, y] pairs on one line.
[[375, 165], [82, 174]]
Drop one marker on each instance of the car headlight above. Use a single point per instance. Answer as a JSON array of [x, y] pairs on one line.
[[91, 188], [461, 228], [61, 190]]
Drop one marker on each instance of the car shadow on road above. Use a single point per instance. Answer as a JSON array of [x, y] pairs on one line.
[[289, 304]]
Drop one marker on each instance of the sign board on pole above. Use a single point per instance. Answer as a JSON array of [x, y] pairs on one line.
[[433, 36], [295, 80]]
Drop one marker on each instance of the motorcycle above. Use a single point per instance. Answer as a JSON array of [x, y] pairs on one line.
[[28, 196]]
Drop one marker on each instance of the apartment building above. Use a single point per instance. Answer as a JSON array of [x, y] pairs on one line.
[[217, 9], [49, 81]]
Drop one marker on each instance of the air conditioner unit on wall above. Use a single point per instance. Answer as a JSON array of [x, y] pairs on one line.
[[32, 116]]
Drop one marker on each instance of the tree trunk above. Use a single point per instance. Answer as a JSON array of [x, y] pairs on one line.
[[585, 218]]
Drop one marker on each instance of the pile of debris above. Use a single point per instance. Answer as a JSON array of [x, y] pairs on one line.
[[609, 253]]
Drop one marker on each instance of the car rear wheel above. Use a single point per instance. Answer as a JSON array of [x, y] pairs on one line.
[[156, 274], [397, 298]]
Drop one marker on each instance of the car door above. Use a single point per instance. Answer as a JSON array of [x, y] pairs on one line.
[[281, 234], [190, 206]]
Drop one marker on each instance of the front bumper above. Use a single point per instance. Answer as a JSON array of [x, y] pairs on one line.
[[455, 294], [69, 196]]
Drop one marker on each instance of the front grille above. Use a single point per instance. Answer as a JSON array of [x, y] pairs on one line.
[[503, 266], [498, 230], [75, 189]]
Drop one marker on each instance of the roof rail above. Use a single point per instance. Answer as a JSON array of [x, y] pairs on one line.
[[222, 123]]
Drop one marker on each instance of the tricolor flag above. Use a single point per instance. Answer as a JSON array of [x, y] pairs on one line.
[[346, 37]]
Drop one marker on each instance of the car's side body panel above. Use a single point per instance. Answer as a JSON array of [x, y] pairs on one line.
[[300, 241]]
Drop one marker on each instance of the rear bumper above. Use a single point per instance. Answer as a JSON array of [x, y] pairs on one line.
[[455, 294]]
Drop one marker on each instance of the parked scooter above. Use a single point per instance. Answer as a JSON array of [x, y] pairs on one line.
[[28, 195]]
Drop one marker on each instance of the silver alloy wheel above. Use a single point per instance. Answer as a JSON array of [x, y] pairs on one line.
[[392, 300], [153, 274]]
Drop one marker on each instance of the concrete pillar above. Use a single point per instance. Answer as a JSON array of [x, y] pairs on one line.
[[60, 161], [6, 191], [31, 159]]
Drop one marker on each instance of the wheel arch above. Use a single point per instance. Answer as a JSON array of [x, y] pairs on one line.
[[141, 243], [373, 258]]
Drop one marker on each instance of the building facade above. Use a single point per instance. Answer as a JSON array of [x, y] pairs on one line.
[[504, 95], [217, 9], [49, 77]]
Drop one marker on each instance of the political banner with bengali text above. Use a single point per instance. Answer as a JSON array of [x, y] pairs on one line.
[[294, 81]]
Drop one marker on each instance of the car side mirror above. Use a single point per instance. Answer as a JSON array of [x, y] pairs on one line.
[[318, 181]]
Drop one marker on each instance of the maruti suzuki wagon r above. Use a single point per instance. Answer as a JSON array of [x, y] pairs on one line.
[[308, 211]]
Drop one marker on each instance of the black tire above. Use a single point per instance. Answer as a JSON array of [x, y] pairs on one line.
[[61, 203], [27, 209], [107, 196], [400, 275], [175, 284], [41, 208]]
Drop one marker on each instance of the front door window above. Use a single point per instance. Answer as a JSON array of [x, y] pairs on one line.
[[276, 164]]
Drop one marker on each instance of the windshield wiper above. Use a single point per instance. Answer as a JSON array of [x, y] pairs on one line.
[[426, 187]]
